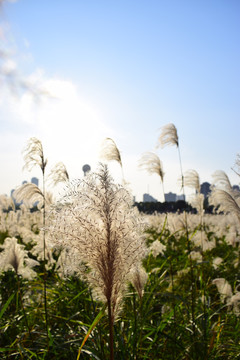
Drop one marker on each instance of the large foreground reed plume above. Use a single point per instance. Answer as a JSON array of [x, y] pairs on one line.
[[96, 222]]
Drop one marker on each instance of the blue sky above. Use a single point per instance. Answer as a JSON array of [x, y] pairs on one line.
[[123, 69]]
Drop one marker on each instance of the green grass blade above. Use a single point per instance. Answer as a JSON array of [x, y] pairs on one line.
[[94, 323], [6, 305]]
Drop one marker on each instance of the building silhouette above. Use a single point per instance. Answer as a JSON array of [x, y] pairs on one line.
[[86, 168], [148, 198], [205, 189], [236, 188], [35, 181], [170, 197], [180, 197]]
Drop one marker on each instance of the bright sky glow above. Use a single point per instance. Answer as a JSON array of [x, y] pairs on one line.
[[121, 69]]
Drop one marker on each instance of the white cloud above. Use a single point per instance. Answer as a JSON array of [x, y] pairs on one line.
[[9, 66]]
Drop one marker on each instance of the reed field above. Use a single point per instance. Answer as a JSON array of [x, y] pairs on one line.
[[86, 271], [88, 276]]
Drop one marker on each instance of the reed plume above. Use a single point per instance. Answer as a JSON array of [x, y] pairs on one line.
[[33, 155], [138, 277], [221, 180], [58, 174], [95, 218], [153, 165], [110, 152], [224, 288], [192, 180], [168, 136], [223, 196], [225, 201], [28, 193], [6, 202], [15, 257]]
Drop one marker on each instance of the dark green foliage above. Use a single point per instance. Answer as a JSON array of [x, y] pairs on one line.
[[165, 207], [156, 326], [172, 207]]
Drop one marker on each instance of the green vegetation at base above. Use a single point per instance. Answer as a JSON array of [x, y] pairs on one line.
[[156, 325]]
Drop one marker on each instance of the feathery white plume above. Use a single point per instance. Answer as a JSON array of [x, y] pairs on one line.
[[226, 201], [14, 256], [33, 155], [6, 202], [29, 193], [197, 202], [152, 164], [58, 174], [168, 136], [157, 248], [234, 303], [224, 288], [191, 179], [110, 152], [97, 221], [138, 277], [223, 195], [221, 180]]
